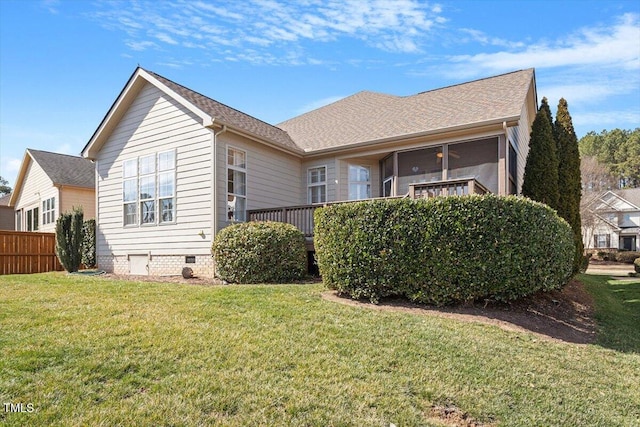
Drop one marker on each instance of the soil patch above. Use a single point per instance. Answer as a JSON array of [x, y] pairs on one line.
[[565, 315]]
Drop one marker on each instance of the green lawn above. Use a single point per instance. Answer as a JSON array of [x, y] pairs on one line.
[[89, 351]]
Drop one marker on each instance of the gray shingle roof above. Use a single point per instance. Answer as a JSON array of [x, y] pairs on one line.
[[230, 116], [63, 169], [4, 200], [630, 194], [369, 116]]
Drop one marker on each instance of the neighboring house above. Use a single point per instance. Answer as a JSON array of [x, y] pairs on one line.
[[49, 184], [6, 213], [613, 221], [174, 166]]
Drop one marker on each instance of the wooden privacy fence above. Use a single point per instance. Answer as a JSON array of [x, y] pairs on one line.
[[25, 252]]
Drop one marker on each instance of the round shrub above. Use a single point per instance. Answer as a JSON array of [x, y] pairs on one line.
[[443, 250], [627, 257], [260, 252], [636, 265]]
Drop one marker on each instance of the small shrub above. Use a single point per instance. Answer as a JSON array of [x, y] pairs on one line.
[[69, 230], [260, 252], [89, 243], [636, 265], [626, 257], [443, 250]]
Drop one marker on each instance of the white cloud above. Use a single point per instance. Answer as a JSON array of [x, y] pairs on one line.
[[64, 149], [9, 167], [390, 25], [317, 104], [616, 46]]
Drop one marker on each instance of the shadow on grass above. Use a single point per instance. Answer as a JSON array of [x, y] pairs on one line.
[[617, 304], [565, 315]]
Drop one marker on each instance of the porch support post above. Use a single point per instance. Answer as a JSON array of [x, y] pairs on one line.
[[502, 165]]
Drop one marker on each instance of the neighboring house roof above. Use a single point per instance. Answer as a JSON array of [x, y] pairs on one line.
[[370, 116], [631, 195], [62, 170], [4, 200]]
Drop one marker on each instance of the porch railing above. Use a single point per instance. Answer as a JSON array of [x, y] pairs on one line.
[[450, 187], [302, 216]]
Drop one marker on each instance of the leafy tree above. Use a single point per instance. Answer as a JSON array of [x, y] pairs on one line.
[[618, 150], [569, 182], [541, 170], [69, 233], [4, 187]]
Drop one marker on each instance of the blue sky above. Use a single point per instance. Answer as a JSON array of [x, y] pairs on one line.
[[63, 63]]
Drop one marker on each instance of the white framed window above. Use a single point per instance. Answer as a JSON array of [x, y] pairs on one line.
[[236, 184], [32, 219], [166, 186], [601, 240], [317, 184], [49, 211], [130, 191], [359, 182], [148, 189]]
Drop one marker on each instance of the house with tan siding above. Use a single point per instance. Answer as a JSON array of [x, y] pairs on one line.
[[6, 213], [174, 166], [49, 184]]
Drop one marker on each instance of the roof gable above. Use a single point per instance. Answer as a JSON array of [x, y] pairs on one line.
[[618, 200], [61, 169], [211, 112], [368, 116]]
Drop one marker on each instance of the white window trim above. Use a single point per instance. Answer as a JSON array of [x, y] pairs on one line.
[[52, 218], [156, 199], [246, 186], [349, 182], [316, 184]]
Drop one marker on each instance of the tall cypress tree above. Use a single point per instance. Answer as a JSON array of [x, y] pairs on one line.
[[541, 170], [569, 176]]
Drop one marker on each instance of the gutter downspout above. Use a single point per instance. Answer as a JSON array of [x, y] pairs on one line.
[[507, 160], [214, 175]]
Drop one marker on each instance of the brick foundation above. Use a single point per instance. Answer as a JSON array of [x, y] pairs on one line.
[[159, 265]]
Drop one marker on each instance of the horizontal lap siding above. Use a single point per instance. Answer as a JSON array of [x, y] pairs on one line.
[[332, 176], [520, 135], [74, 197], [154, 123], [36, 187], [273, 177]]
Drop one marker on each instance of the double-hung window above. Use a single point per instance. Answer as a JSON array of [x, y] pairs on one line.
[[130, 191], [359, 182], [236, 184], [317, 184], [148, 189], [166, 185], [49, 211]]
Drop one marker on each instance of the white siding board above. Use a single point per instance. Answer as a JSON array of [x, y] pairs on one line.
[[156, 123]]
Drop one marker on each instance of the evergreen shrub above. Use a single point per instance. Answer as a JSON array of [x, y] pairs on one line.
[[260, 252], [443, 250], [69, 233], [89, 243], [636, 265]]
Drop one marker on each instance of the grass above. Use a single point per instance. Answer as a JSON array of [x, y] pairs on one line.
[[617, 311], [89, 351]]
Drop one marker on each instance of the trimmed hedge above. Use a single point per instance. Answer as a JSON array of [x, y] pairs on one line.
[[260, 252], [636, 265], [443, 250], [626, 257]]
